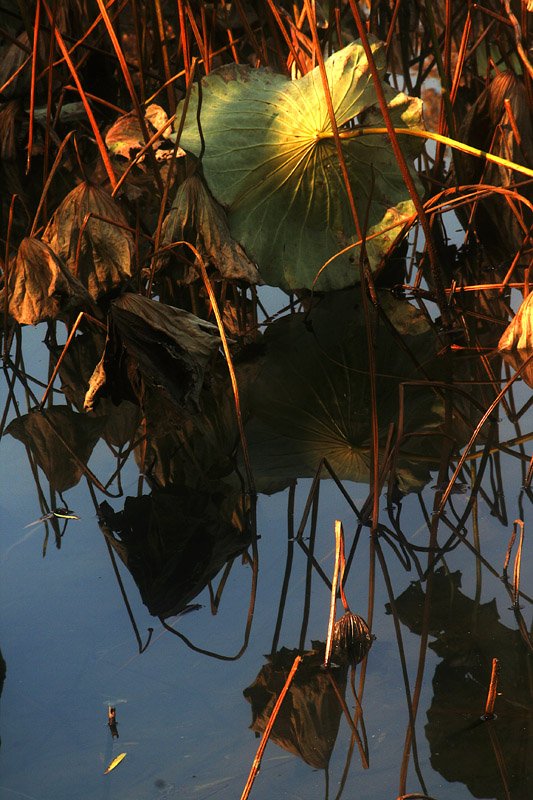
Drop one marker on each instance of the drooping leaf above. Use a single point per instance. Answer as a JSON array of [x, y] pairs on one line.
[[61, 442], [41, 288], [103, 259], [155, 355], [312, 398], [116, 761], [197, 218], [270, 158], [11, 117]]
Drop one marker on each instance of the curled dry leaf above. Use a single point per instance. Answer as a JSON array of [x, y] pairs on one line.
[[124, 138], [104, 258], [197, 218], [516, 343], [519, 333], [41, 288], [155, 355], [75, 370]]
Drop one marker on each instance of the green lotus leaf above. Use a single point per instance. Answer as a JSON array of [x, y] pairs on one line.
[[270, 158], [312, 398]]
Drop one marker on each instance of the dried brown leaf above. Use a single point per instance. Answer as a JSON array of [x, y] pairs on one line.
[[75, 370], [196, 217], [106, 252], [41, 288], [12, 56], [11, 115], [124, 138], [155, 355]]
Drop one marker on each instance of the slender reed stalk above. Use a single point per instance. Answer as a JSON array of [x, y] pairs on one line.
[[268, 729], [333, 603], [71, 335], [96, 131], [133, 94], [36, 31]]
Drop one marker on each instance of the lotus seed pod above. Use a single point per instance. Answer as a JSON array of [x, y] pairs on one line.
[[351, 639]]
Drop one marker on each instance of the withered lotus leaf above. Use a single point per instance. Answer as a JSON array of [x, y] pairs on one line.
[[155, 355], [308, 721], [124, 138], [197, 218], [61, 442], [516, 342], [41, 288], [103, 259], [76, 367], [11, 116]]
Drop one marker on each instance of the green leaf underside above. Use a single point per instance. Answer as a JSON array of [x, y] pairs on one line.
[[271, 159]]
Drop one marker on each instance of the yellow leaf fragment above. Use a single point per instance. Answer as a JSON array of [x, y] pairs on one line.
[[519, 333], [516, 342], [116, 761]]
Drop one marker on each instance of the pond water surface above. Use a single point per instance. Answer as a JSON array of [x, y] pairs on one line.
[[70, 640]]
